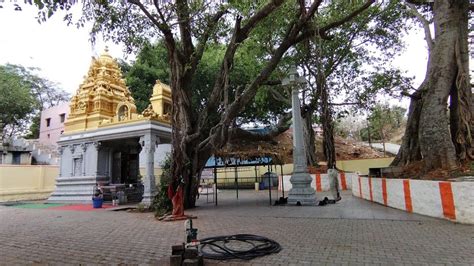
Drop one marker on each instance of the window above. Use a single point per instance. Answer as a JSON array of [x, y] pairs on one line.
[[48, 122], [49, 136], [62, 117], [62, 131]]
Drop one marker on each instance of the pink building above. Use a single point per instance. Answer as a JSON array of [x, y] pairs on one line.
[[52, 123]]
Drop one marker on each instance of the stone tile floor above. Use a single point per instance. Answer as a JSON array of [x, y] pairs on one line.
[[351, 232]]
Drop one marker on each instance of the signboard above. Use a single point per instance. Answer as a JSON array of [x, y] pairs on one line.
[[207, 174]]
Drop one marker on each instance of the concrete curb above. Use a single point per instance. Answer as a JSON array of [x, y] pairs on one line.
[[453, 201]]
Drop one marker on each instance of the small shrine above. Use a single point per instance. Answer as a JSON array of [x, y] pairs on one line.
[[105, 138]]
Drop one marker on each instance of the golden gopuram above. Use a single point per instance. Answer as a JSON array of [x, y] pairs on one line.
[[107, 143], [103, 99]]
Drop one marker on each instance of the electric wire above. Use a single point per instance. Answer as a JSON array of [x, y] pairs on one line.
[[240, 246]]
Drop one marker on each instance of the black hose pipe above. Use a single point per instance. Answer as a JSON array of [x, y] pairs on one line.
[[224, 247]]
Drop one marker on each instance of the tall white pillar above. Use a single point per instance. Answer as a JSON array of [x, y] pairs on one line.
[[301, 191]]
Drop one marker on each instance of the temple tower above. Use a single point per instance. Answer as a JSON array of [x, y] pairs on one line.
[[103, 96]]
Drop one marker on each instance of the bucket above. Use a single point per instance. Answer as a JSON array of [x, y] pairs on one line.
[[122, 198], [97, 202]]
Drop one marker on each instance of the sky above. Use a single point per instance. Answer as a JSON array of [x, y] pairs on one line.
[[63, 53]]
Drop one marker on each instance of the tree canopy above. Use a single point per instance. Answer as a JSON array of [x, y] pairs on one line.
[[152, 64], [16, 101], [23, 95]]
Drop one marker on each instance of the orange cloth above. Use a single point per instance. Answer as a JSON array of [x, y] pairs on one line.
[[177, 201]]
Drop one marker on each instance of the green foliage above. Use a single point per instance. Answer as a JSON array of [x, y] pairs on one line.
[[161, 203], [356, 60], [16, 100], [23, 95], [151, 64], [34, 128], [383, 121]]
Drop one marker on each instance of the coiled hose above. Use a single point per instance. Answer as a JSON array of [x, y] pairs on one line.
[[240, 246]]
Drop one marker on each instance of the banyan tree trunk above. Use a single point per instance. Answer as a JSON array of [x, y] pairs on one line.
[[328, 130], [410, 148], [309, 138], [444, 141]]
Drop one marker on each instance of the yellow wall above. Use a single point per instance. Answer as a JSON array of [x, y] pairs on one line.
[[27, 182], [362, 165]]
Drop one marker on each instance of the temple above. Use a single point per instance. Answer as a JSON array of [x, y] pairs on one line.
[[105, 139]]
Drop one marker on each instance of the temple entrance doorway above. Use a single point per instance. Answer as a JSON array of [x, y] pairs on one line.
[[124, 179], [124, 167]]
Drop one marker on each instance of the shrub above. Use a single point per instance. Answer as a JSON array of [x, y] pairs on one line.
[[161, 203]]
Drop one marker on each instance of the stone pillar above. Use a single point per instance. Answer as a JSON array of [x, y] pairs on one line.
[[71, 160], [84, 158], [61, 160], [94, 160], [149, 142], [301, 192]]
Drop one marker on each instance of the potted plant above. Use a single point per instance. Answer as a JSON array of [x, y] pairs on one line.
[[97, 197]]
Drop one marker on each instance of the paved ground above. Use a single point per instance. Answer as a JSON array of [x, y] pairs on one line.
[[353, 231]]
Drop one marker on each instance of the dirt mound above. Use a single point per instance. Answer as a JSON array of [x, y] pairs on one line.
[[281, 149], [348, 150]]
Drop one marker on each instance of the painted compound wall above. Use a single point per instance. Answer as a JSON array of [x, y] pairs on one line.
[[449, 200], [27, 182], [362, 166]]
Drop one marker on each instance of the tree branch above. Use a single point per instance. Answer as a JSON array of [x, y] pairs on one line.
[[342, 104], [163, 27], [256, 18], [205, 37], [416, 95], [277, 96], [323, 30], [242, 134], [424, 22], [272, 83], [184, 28], [420, 2], [240, 34]]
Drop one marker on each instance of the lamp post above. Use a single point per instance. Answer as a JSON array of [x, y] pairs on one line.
[[301, 192]]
